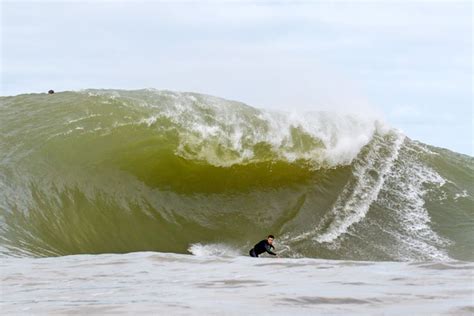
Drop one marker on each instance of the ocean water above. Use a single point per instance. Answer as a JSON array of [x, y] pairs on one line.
[[148, 201], [177, 284]]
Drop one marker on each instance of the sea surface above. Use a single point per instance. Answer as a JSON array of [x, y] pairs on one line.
[[176, 284], [148, 201]]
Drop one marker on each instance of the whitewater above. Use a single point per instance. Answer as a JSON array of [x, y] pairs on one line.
[[147, 201], [174, 284]]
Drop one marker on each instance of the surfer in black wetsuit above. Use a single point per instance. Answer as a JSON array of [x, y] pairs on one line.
[[262, 246]]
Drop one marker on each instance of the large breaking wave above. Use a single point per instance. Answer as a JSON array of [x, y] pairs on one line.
[[118, 171]]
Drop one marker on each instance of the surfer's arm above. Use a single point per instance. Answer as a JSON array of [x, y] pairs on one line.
[[268, 248]]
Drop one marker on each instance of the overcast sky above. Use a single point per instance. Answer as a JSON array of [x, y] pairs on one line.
[[409, 61]]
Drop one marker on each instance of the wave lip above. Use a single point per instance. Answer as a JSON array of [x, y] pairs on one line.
[[224, 133]]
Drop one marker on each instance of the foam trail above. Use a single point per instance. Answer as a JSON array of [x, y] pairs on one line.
[[406, 188], [217, 249], [355, 200]]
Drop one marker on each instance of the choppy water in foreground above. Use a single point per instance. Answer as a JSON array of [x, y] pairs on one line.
[[174, 284]]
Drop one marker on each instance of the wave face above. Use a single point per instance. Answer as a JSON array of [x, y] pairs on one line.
[[102, 171]]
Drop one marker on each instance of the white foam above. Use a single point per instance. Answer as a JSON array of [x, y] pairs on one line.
[[463, 194], [216, 249], [153, 283]]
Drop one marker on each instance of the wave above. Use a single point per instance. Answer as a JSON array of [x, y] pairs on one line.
[[101, 171]]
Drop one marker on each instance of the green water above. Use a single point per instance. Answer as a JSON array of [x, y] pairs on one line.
[[102, 171]]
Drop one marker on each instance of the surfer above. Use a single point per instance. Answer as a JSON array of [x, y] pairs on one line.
[[262, 246]]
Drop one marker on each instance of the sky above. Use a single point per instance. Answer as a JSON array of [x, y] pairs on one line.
[[409, 62]]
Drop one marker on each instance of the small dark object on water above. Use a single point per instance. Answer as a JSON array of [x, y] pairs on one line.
[[50, 91]]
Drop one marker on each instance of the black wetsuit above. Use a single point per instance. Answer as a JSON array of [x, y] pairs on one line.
[[260, 248]]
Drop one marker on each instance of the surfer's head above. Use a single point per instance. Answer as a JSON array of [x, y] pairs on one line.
[[270, 239]]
